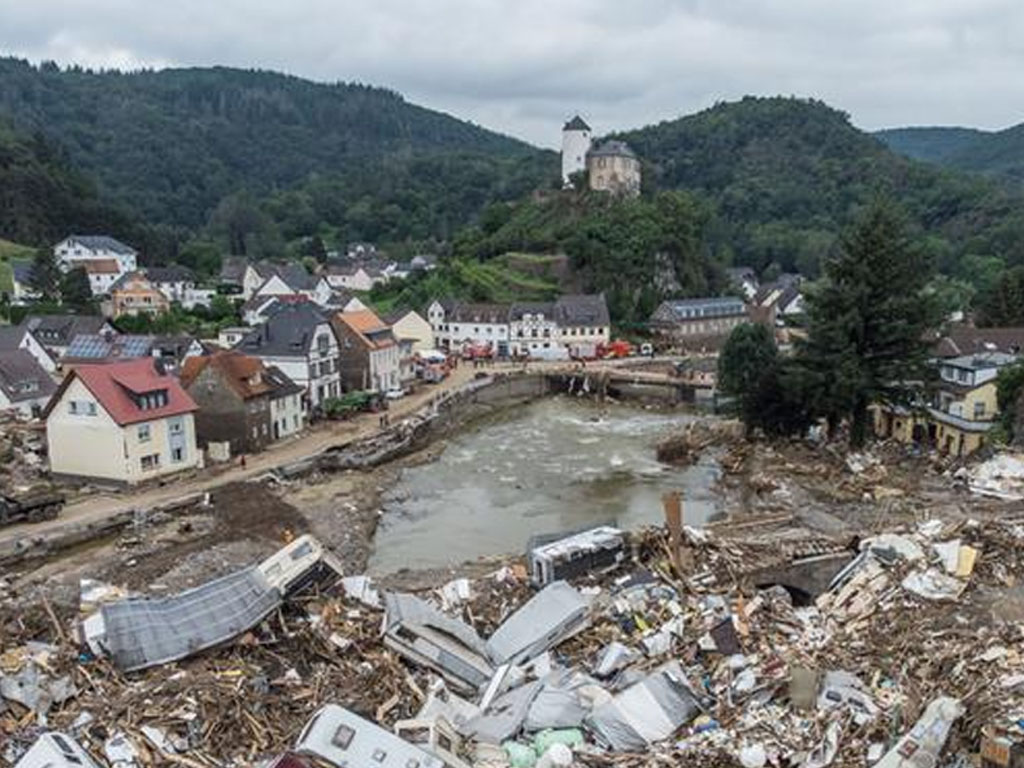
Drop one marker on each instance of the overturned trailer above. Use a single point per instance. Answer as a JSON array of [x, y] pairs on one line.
[[140, 633], [552, 558], [343, 739]]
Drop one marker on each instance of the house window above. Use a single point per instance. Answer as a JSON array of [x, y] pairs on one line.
[[979, 410], [144, 433], [175, 426], [321, 343], [151, 462], [177, 455]]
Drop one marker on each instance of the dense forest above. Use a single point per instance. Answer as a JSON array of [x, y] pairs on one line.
[[170, 146], [999, 154], [189, 165]]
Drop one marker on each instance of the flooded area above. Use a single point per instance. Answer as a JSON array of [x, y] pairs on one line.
[[553, 465]]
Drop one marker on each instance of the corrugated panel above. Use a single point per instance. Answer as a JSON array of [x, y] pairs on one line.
[[141, 633]]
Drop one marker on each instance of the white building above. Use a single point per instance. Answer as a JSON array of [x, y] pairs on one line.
[[575, 145], [123, 422], [25, 386], [103, 258], [299, 340], [458, 325], [175, 282]]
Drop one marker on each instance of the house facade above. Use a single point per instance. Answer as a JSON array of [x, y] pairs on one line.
[[176, 283], [583, 321], [287, 416], [25, 387], [613, 167], [104, 259], [457, 326], [369, 354], [55, 332], [19, 337], [698, 322], [299, 340], [233, 395], [134, 294], [412, 326], [961, 412], [120, 423]]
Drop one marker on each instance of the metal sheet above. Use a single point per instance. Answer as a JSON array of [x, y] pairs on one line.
[[555, 613], [141, 633]]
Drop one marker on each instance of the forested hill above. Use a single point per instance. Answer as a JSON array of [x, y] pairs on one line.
[[787, 175], [172, 144], [42, 197], [933, 145], [999, 154]]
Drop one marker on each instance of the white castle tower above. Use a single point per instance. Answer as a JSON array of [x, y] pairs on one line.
[[575, 145]]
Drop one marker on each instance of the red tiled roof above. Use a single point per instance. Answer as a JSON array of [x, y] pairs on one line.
[[97, 266], [365, 323], [234, 368], [113, 384]]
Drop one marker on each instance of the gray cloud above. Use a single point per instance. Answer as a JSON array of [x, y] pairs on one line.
[[522, 67]]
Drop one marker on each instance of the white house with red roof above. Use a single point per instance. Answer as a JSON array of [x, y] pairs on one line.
[[123, 423]]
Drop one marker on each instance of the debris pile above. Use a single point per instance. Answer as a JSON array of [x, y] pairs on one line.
[[672, 654], [22, 453]]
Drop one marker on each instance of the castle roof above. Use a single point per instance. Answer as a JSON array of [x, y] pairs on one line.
[[612, 149], [576, 124]]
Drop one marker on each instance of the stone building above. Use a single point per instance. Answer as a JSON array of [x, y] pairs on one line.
[[614, 167]]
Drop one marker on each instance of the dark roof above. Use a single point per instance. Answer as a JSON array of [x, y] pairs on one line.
[[245, 375], [281, 385], [576, 124], [22, 271], [11, 337], [22, 378], [612, 149], [295, 275], [102, 243], [175, 273], [288, 332], [132, 277], [589, 309], [232, 269], [477, 313], [110, 346], [59, 330], [965, 340], [787, 287], [520, 308], [675, 310]]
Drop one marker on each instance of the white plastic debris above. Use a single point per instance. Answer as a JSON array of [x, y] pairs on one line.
[[753, 756], [933, 584]]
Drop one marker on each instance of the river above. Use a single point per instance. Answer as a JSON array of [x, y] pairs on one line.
[[553, 465]]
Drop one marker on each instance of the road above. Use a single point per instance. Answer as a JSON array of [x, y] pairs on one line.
[[97, 507]]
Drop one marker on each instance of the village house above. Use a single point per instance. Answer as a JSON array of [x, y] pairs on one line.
[[299, 339], [134, 294], [257, 309], [270, 278], [25, 386], [614, 167], [368, 352], [961, 412], [22, 291], [55, 332], [120, 423], [458, 325], [781, 299], [20, 337], [103, 258], [175, 282], [411, 325], [230, 337], [231, 279], [961, 339], [531, 327], [235, 395], [106, 347], [354, 276], [583, 322], [744, 280], [698, 322], [399, 270], [287, 416]]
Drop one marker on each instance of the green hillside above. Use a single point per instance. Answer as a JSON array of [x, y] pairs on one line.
[[171, 145], [932, 144], [786, 175]]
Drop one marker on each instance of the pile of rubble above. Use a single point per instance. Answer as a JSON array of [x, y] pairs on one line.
[[603, 649], [22, 453]]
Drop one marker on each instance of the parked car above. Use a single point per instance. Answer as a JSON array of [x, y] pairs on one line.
[[397, 393]]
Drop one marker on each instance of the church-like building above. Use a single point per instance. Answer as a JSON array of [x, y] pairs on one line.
[[611, 166]]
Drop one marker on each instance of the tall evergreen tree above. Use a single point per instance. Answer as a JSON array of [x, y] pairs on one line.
[[45, 275], [748, 355], [867, 322], [75, 290]]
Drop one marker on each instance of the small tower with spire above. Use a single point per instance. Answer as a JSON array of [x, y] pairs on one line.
[[575, 145]]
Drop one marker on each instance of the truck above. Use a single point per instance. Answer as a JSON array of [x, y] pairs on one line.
[[31, 509], [615, 349]]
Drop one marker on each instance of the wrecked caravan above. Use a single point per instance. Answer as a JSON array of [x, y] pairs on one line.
[[346, 740], [140, 633], [554, 614], [648, 711], [554, 558], [434, 735], [56, 750], [424, 635]]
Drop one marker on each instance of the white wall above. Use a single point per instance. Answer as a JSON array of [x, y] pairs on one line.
[[575, 145], [286, 412]]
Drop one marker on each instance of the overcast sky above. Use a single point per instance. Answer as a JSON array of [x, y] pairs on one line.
[[524, 66]]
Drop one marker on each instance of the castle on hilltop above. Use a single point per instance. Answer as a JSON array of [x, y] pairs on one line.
[[611, 166]]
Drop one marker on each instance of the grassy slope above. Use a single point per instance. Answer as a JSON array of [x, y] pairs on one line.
[[11, 252]]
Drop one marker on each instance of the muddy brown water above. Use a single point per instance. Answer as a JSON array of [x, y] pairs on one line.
[[553, 465]]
